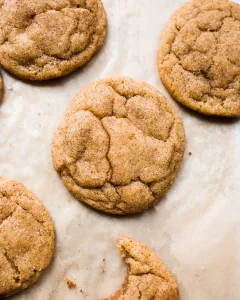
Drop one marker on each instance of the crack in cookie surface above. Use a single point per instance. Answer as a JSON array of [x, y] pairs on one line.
[[119, 143], [199, 54], [12, 265], [26, 238], [147, 277], [44, 39]]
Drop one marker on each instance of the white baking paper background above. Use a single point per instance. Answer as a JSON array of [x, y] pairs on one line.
[[195, 229]]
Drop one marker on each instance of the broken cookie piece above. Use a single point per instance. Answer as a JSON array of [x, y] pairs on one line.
[[147, 277]]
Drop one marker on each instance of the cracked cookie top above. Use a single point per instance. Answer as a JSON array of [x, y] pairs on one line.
[[119, 146], [199, 56], [44, 39], [147, 277], [26, 238]]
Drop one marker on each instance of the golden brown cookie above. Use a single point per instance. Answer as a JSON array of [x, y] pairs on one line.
[[45, 39], [119, 146], [147, 277], [26, 238], [199, 56], [1, 88]]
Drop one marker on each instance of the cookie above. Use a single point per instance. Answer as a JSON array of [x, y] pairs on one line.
[[147, 277], [119, 146], [44, 39], [199, 57], [1, 88], [26, 238]]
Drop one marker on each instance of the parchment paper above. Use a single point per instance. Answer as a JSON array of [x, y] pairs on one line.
[[194, 229]]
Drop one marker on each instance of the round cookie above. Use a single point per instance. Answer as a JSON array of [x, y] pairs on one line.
[[147, 277], [44, 39], [1, 87], [26, 238], [199, 57], [119, 146]]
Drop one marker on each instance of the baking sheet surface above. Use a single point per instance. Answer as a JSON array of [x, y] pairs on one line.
[[194, 229]]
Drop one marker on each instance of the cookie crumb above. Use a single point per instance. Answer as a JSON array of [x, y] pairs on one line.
[[189, 153], [102, 269], [71, 284]]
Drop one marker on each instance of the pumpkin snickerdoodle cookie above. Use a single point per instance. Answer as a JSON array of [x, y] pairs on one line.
[[199, 56], [119, 146], [44, 39], [1, 88], [147, 277], [26, 238]]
